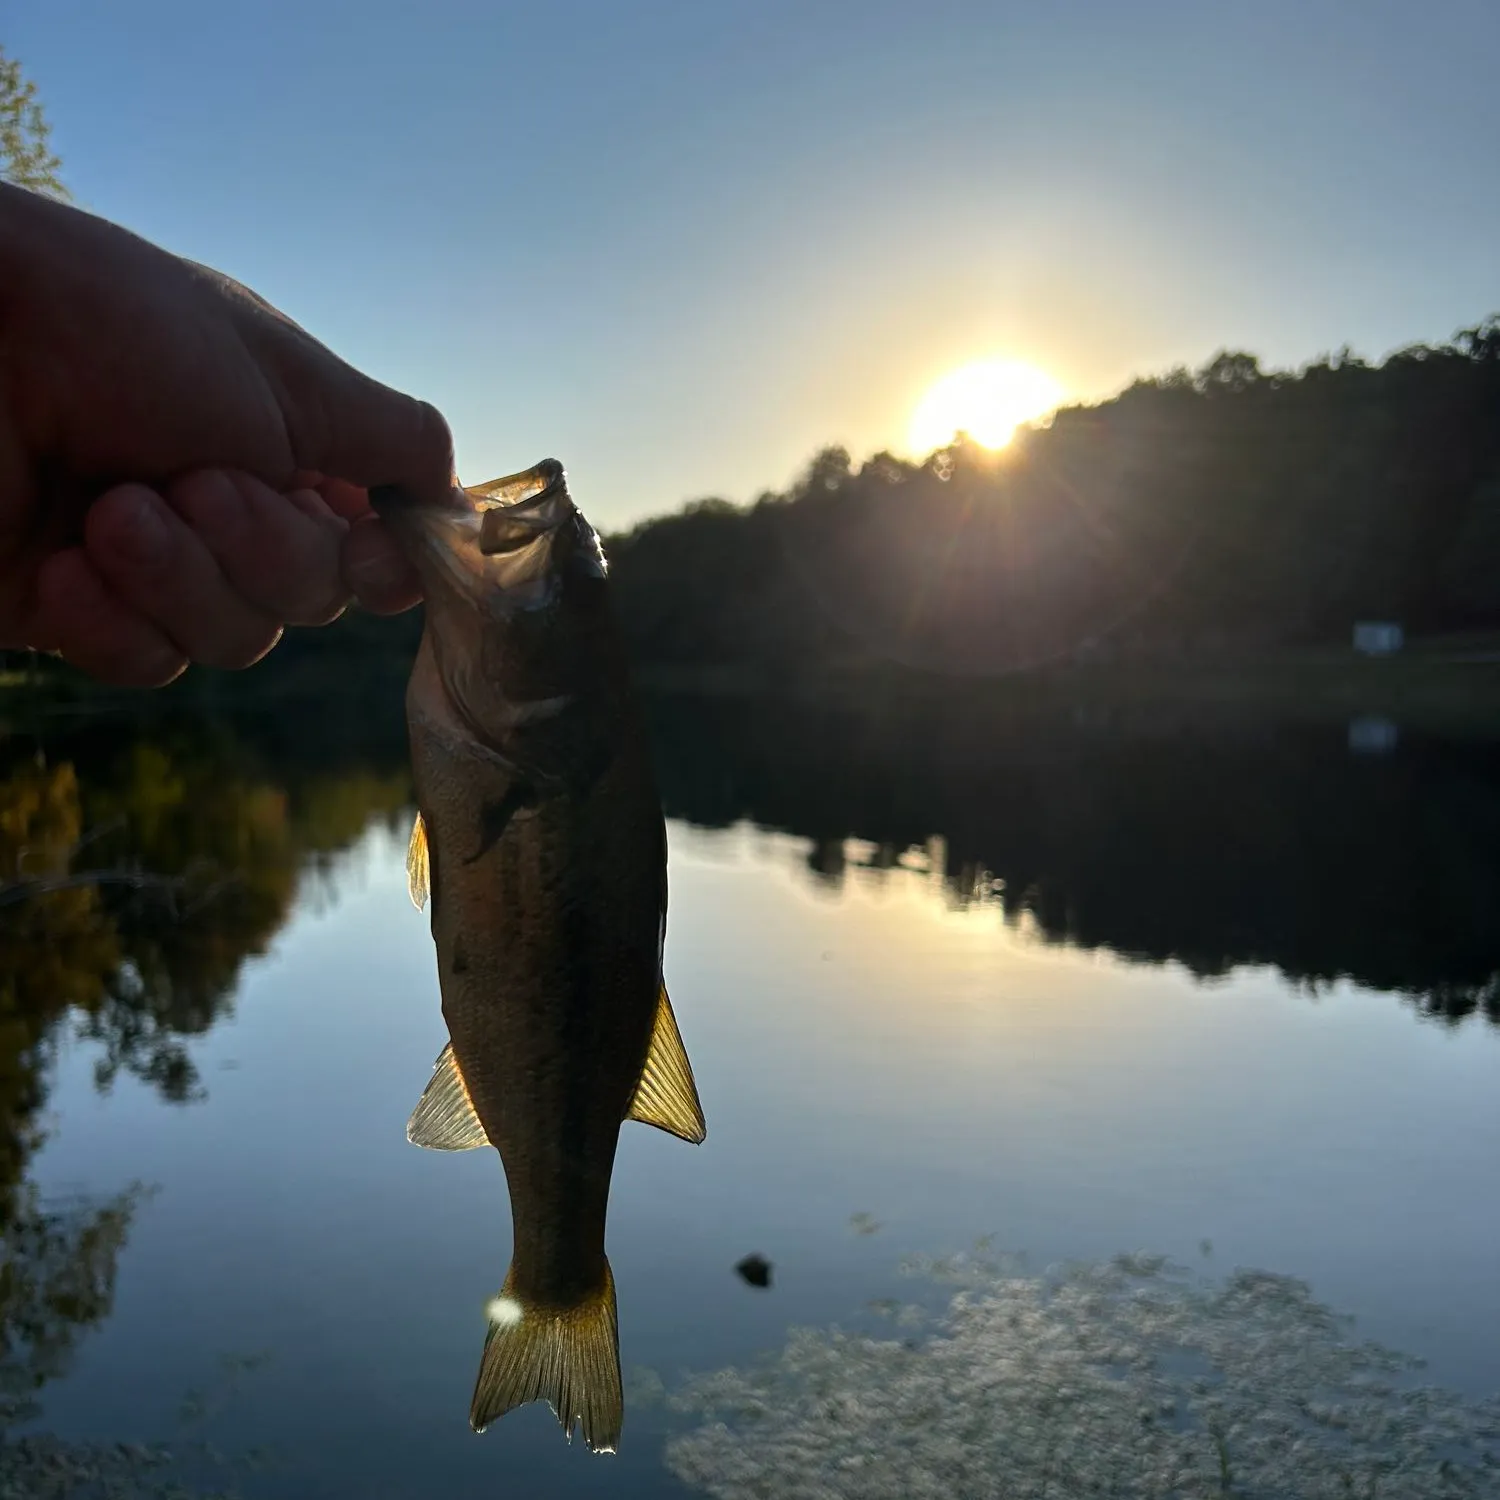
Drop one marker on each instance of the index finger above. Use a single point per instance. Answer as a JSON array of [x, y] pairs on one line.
[[376, 572], [374, 569]]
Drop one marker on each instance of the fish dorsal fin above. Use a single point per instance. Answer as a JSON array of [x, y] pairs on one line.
[[444, 1119], [417, 864], [666, 1095]]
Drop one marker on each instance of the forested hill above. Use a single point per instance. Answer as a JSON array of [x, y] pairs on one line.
[[1226, 511]]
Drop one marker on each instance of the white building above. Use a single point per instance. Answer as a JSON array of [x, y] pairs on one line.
[[1378, 637]]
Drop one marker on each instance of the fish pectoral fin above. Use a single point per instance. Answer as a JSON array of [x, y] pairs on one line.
[[418, 866], [666, 1095], [444, 1119], [568, 1356]]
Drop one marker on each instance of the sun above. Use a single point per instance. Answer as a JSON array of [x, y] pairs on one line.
[[987, 400]]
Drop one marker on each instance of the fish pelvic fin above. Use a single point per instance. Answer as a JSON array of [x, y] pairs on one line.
[[445, 1119], [418, 865], [666, 1095], [568, 1357]]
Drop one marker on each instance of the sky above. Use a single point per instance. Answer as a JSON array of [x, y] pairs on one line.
[[681, 247]]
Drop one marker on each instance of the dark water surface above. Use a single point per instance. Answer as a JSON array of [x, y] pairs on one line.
[[1086, 983]]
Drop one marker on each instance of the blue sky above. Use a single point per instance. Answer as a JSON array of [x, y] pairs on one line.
[[682, 246]]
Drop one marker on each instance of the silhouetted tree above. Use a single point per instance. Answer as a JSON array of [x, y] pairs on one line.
[[1233, 509]]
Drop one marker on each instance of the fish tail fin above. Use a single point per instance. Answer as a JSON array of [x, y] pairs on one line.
[[568, 1357]]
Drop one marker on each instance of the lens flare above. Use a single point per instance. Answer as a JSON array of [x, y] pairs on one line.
[[987, 400]]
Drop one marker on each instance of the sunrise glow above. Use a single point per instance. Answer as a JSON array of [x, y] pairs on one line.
[[987, 400]]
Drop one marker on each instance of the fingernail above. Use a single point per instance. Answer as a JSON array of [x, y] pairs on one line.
[[158, 670], [143, 535]]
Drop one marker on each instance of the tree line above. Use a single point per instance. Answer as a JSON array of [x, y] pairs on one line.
[[1229, 510]]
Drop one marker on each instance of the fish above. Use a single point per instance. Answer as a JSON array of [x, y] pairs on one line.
[[540, 845]]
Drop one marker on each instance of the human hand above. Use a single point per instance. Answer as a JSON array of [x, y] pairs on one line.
[[181, 466]]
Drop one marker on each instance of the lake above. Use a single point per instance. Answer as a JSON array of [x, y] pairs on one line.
[[956, 978]]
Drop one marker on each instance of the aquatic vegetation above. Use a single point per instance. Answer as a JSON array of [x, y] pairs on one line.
[[58, 1263], [39, 1465], [1122, 1378], [42, 1467]]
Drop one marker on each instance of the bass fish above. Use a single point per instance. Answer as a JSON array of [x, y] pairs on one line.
[[540, 840]]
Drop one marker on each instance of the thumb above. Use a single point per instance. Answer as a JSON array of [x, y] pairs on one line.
[[343, 424]]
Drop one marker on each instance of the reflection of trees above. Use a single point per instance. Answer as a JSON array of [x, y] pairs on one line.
[[56, 951], [57, 1279], [143, 966], [1214, 847], [140, 867], [227, 838], [152, 865]]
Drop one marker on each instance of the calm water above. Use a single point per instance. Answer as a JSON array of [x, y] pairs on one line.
[[1087, 984]]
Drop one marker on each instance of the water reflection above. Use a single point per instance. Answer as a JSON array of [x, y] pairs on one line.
[[58, 1280], [145, 863], [141, 865], [1213, 843]]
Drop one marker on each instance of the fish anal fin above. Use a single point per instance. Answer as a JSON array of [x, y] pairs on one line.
[[666, 1095], [444, 1119], [568, 1357], [418, 866]]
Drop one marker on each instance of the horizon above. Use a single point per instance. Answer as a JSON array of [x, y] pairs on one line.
[[918, 459], [691, 250]]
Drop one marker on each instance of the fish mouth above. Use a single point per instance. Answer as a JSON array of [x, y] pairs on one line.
[[529, 487], [518, 508], [535, 499], [481, 524]]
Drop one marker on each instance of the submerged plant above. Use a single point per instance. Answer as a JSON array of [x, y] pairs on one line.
[[1122, 1378]]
